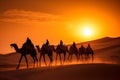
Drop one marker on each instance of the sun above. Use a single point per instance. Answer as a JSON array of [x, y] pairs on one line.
[[87, 31]]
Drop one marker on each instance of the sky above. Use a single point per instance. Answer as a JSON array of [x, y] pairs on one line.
[[56, 20]]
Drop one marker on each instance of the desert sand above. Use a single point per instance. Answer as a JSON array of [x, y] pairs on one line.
[[71, 72], [106, 65]]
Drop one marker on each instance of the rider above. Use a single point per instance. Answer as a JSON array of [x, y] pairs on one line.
[[47, 42], [61, 42], [45, 45], [74, 45], [29, 42], [89, 50], [89, 47], [82, 48], [28, 45]]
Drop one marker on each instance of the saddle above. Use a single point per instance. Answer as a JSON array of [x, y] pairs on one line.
[[27, 46]]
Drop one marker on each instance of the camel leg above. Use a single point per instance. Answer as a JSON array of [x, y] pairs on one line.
[[33, 60], [44, 60], [26, 60], [60, 58], [68, 57], [71, 57], [64, 56], [36, 60], [50, 58], [19, 62], [82, 56], [79, 56], [87, 58], [56, 58], [92, 58], [76, 57], [86, 55], [40, 58]]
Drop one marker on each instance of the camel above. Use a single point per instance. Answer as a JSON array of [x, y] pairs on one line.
[[24, 52], [81, 52], [73, 50], [89, 51], [46, 50], [61, 49]]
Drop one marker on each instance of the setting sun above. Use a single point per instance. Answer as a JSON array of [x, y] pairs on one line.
[[87, 31]]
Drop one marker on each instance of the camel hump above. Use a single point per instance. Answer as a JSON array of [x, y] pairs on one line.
[[89, 50], [61, 46], [82, 48], [73, 48]]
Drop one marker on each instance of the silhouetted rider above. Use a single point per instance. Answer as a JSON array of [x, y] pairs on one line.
[[47, 42], [74, 45], [46, 45], [61, 42], [60, 45], [28, 44], [82, 48], [89, 47]]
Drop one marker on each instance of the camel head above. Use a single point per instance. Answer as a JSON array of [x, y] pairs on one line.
[[38, 48], [14, 45]]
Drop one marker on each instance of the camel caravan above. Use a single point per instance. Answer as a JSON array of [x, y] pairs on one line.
[[46, 49]]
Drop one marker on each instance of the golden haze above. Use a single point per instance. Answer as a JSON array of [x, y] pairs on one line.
[[56, 22]]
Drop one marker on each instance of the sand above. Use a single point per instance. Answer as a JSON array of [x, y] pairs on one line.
[[70, 72], [106, 65]]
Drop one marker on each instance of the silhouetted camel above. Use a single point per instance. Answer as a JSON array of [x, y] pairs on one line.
[[61, 49], [73, 50], [46, 50], [81, 52], [89, 51], [23, 51]]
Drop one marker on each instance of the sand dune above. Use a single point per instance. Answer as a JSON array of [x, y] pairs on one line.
[[107, 54], [71, 72], [106, 49]]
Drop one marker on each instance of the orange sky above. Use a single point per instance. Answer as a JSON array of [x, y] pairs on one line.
[[56, 20]]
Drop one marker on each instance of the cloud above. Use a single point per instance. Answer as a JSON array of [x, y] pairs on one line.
[[22, 16]]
